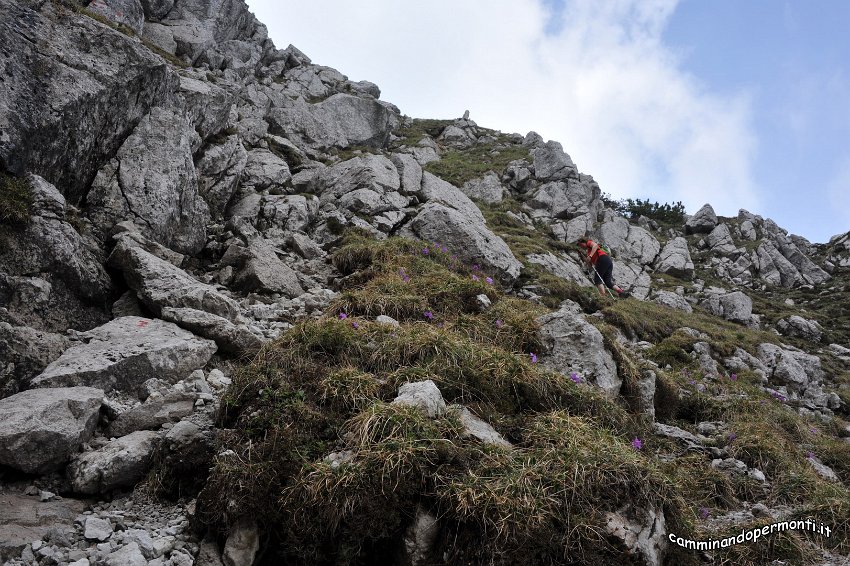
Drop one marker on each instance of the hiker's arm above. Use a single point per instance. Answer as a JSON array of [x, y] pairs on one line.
[[592, 251]]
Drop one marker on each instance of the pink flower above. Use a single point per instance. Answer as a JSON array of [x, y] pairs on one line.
[[342, 316], [637, 444]]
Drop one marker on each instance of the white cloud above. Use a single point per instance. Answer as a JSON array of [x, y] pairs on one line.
[[604, 85]]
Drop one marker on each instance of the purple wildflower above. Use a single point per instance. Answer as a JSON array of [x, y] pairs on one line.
[[810, 455], [489, 280], [475, 278], [425, 251], [813, 430], [342, 316], [475, 267], [732, 436], [355, 325], [429, 315], [405, 278], [704, 512], [692, 381], [734, 377], [575, 377], [499, 323], [533, 358], [637, 443], [444, 249]]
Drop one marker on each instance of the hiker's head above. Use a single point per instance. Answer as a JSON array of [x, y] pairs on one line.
[[582, 242]]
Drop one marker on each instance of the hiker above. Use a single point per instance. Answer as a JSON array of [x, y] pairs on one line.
[[603, 266]]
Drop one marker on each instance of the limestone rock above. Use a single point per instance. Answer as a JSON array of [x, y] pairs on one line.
[[774, 268], [219, 171], [702, 222], [672, 300], [157, 154], [71, 128], [339, 121], [675, 259], [797, 370], [124, 353], [574, 345], [41, 428], [487, 189], [121, 463], [437, 190], [477, 428], [125, 12], [472, 241], [564, 199], [720, 240], [265, 170], [424, 395], [153, 413], [24, 519], [562, 267], [156, 9], [96, 528], [242, 544], [735, 306], [551, 163], [159, 284], [127, 555], [628, 242], [28, 351], [229, 337], [643, 534], [264, 272], [420, 539], [796, 325]]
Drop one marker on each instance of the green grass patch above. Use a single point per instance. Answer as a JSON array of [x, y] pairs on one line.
[[16, 199], [457, 166]]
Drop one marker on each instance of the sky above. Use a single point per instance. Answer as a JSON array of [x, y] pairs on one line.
[[741, 104]]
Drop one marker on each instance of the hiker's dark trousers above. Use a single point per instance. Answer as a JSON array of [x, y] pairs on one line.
[[605, 270]]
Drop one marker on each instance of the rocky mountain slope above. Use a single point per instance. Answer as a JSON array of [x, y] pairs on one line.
[[252, 314]]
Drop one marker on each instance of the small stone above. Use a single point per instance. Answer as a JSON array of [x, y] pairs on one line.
[[97, 529], [37, 544], [45, 495]]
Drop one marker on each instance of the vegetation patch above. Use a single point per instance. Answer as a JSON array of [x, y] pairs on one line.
[[16, 199], [457, 166]]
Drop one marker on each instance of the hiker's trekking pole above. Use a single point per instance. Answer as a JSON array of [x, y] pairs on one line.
[[602, 280]]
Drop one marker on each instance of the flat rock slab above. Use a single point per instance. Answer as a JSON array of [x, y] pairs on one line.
[[124, 353], [121, 463], [24, 519], [41, 428]]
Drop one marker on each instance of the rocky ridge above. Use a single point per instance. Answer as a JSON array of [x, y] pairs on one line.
[[189, 189]]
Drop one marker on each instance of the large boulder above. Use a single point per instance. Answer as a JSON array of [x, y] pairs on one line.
[[121, 463], [735, 306], [470, 240], [564, 199], [67, 102], [41, 428], [24, 519], [341, 120], [160, 284], [562, 267], [488, 189], [702, 222], [26, 352], [629, 242], [126, 352], [219, 171], [153, 413], [232, 338], [796, 325], [574, 345], [265, 170], [675, 259], [794, 369], [435, 189], [774, 268], [157, 154], [720, 240], [551, 163]]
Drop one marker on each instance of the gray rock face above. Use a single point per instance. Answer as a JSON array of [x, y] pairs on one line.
[[341, 120], [774, 268], [801, 327], [574, 345], [41, 428], [702, 222], [27, 351], [627, 241], [124, 353], [473, 242], [561, 267], [160, 284], [121, 463], [421, 538], [633, 278], [644, 536], [424, 395], [219, 172], [264, 272], [125, 12], [564, 199], [487, 189], [435, 189], [283, 215], [265, 170], [551, 163], [229, 337], [796, 370], [675, 259], [153, 413], [720, 240], [672, 300], [25, 519], [242, 544], [61, 122], [157, 154], [735, 306], [156, 9], [477, 428]]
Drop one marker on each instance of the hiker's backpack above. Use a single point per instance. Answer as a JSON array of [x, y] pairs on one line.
[[605, 248]]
